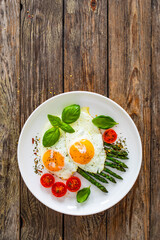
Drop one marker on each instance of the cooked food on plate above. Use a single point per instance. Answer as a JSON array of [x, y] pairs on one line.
[[77, 142], [56, 159], [85, 145]]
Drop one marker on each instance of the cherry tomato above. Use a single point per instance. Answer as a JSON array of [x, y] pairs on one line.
[[109, 136], [73, 184], [59, 189], [47, 180]]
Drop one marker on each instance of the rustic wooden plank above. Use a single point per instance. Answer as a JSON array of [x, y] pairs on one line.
[[155, 116], [85, 50], [129, 85], [41, 78], [85, 67], [9, 112]]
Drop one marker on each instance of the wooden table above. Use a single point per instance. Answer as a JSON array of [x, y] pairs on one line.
[[51, 46]]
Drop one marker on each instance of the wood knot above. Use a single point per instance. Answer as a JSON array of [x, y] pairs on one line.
[[21, 6], [93, 4], [134, 75], [134, 116], [22, 221]]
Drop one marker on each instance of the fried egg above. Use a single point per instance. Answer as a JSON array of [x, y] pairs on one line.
[[56, 159], [85, 145]]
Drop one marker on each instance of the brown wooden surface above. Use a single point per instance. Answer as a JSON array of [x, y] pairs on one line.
[[41, 78], [129, 85], [9, 120], [51, 46], [155, 116]]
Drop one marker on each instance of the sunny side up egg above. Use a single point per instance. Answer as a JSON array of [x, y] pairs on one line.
[[85, 145], [56, 159]]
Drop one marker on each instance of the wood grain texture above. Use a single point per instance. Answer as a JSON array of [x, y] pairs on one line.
[[129, 85], [107, 46], [85, 68], [85, 46], [155, 116], [9, 112], [41, 78]]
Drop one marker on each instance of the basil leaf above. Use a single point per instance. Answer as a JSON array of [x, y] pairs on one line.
[[50, 137], [54, 120], [66, 128], [83, 194], [71, 113], [104, 122]]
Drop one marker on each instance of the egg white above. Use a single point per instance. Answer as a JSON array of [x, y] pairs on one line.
[[60, 146], [85, 129]]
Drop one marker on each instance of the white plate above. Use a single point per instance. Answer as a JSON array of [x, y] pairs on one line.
[[98, 201]]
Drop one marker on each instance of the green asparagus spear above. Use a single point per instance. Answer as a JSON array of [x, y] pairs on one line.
[[116, 156], [108, 177], [112, 145], [93, 181], [117, 161], [119, 153], [113, 165], [101, 179], [112, 173]]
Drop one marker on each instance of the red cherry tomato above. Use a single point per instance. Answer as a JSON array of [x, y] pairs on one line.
[[47, 180], [109, 136], [73, 184], [59, 189]]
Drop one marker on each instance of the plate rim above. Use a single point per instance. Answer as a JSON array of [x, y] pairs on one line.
[[113, 102]]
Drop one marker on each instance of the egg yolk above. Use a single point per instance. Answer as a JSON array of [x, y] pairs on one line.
[[82, 152], [53, 160]]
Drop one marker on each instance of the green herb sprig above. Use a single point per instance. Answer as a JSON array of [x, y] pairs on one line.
[[51, 136], [69, 115], [83, 194], [104, 122]]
